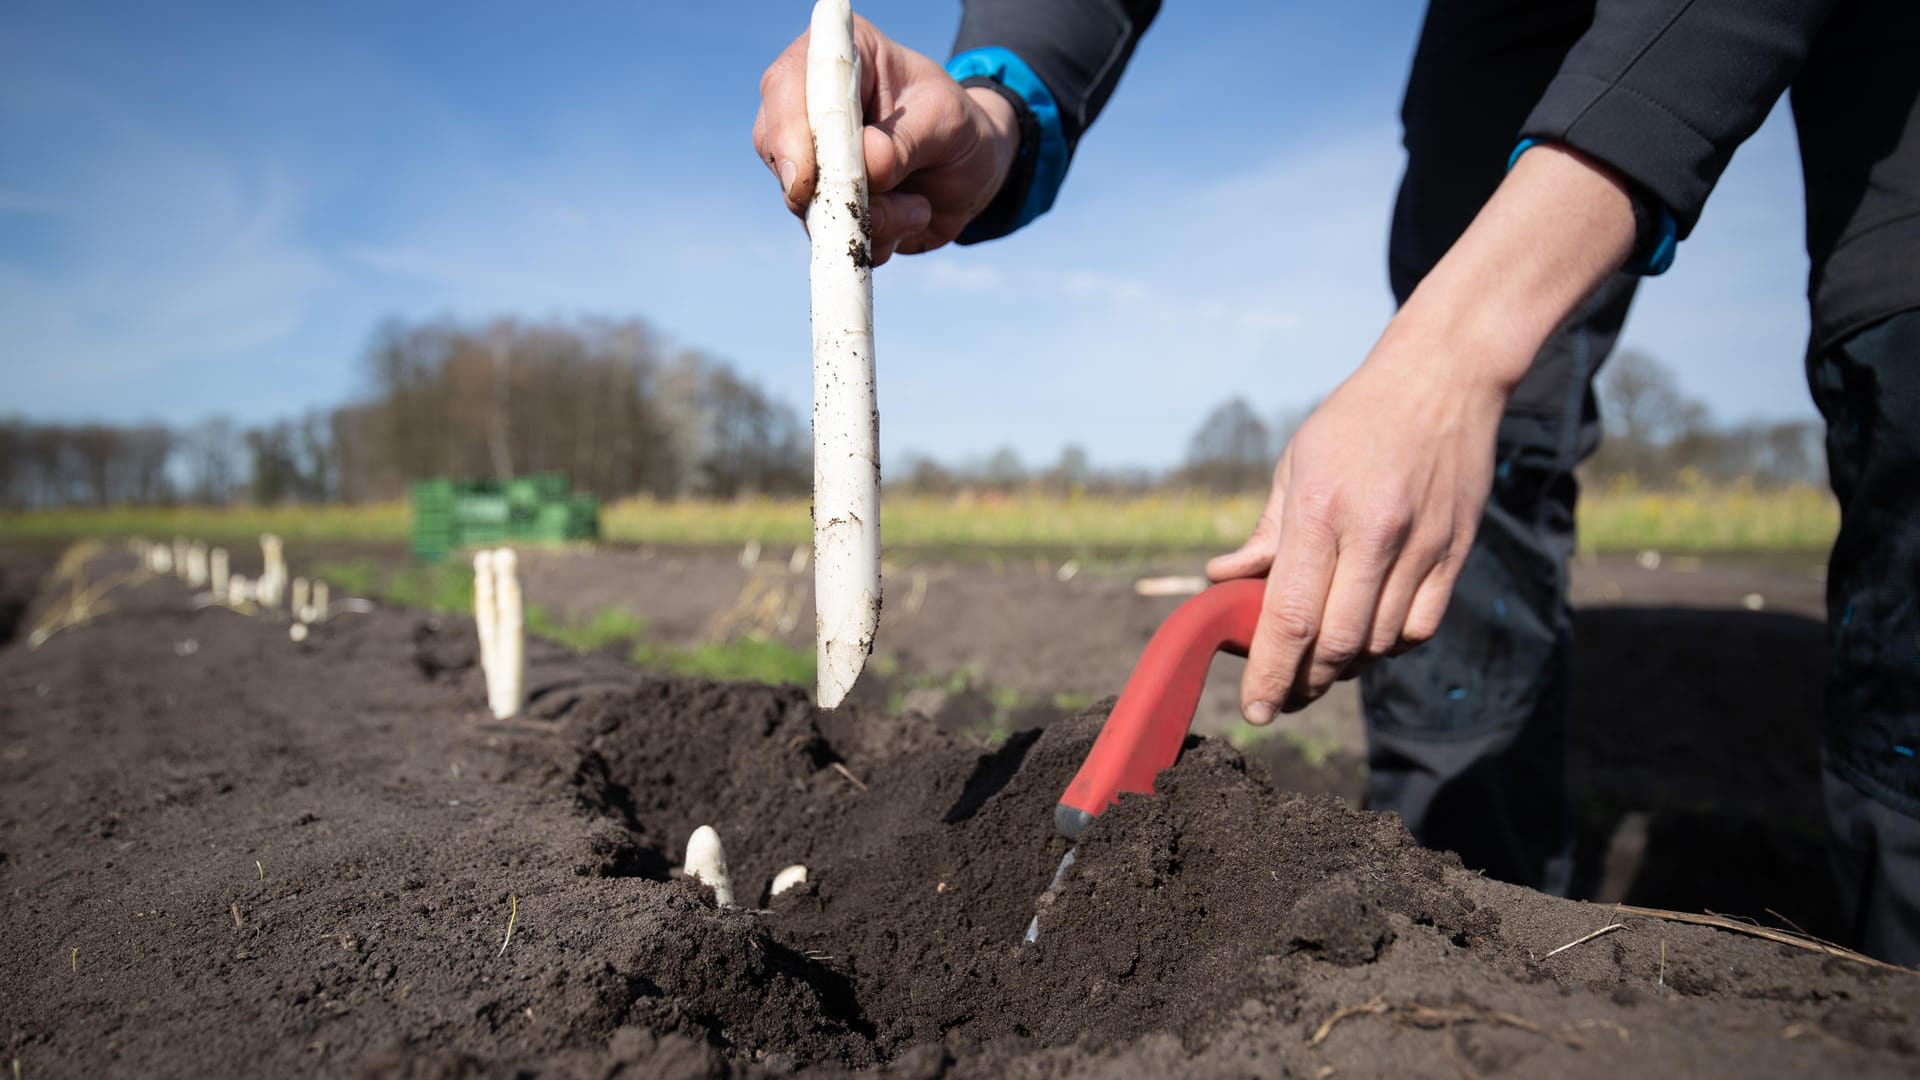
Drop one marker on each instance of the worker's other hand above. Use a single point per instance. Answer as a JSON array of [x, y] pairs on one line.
[[1376, 500], [1374, 506], [936, 153]]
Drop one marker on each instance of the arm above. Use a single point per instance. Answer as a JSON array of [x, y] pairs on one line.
[[1067, 58], [1376, 500], [1664, 91]]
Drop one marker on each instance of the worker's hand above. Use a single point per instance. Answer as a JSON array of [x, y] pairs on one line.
[[1374, 506], [1376, 499], [936, 153]]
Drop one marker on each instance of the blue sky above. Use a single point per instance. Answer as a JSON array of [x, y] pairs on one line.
[[206, 208]]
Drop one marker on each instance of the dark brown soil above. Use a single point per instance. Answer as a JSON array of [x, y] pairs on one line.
[[250, 857], [21, 570]]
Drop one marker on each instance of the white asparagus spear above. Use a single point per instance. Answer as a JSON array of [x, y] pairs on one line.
[[846, 418], [217, 572], [196, 564], [298, 598], [510, 638], [707, 864], [319, 612], [486, 620]]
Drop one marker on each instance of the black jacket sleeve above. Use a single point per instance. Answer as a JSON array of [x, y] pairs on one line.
[[1665, 90], [1077, 47]]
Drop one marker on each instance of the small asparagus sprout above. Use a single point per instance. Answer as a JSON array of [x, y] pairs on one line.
[[299, 598], [197, 564], [217, 572], [266, 590], [787, 879], [707, 864], [239, 590], [160, 559], [319, 611], [510, 636], [180, 556], [486, 620], [846, 438], [297, 632], [273, 573]]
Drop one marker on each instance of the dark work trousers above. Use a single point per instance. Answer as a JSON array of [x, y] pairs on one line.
[[1868, 389], [1467, 734]]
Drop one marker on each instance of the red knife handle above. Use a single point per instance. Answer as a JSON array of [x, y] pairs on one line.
[[1149, 723]]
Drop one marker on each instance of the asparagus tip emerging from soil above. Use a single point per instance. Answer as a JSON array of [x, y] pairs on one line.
[[707, 864], [787, 879]]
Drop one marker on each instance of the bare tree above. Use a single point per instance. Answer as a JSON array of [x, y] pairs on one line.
[[592, 398], [1231, 451], [1004, 471]]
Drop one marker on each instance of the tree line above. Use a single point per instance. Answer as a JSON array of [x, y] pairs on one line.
[[611, 405], [604, 401], [1655, 437]]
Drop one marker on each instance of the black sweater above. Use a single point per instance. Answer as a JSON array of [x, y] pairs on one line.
[[1663, 91]]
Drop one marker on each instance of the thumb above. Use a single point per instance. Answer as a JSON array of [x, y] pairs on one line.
[[1254, 557]]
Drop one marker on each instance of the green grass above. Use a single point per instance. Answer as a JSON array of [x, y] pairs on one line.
[[442, 588], [1702, 520], [609, 627], [231, 525], [449, 588], [752, 658], [1734, 518]]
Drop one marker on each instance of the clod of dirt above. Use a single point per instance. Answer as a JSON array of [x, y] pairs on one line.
[[439, 649], [1340, 922], [720, 976]]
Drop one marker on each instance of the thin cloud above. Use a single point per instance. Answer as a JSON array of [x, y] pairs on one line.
[[26, 202]]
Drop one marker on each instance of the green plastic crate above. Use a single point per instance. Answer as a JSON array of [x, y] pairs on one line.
[[540, 508]]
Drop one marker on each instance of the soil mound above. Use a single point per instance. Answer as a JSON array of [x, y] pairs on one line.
[[253, 856]]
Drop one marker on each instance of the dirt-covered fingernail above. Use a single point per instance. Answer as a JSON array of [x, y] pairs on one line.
[[787, 172], [1258, 713]]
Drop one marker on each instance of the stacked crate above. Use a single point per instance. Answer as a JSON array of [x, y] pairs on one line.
[[450, 515]]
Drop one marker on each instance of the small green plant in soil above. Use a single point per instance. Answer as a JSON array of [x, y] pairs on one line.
[[1072, 701], [1314, 749]]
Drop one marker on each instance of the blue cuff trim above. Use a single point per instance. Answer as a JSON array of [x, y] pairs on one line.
[[1050, 166], [1655, 259]]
